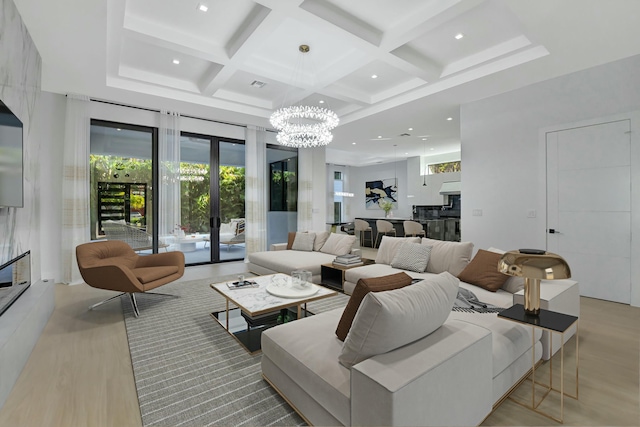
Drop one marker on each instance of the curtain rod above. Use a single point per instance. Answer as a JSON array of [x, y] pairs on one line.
[[103, 101]]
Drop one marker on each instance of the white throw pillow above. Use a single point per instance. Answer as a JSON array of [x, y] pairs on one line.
[[448, 256], [412, 257], [389, 247], [338, 244], [303, 242], [513, 284], [391, 319]]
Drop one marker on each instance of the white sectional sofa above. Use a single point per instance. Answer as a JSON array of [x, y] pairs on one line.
[[286, 257], [452, 376]]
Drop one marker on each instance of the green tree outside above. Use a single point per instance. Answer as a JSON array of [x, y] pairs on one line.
[[194, 189]]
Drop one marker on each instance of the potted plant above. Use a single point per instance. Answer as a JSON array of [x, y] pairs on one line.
[[386, 207]]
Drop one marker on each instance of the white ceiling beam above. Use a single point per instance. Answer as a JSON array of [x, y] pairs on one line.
[[338, 17], [246, 29], [159, 35]]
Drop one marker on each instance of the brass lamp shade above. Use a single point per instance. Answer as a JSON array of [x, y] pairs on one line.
[[534, 265]]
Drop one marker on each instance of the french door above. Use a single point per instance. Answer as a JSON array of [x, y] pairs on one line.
[[212, 190]]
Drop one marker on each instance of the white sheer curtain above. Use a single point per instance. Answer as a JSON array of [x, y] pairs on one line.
[[255, 190], [169, 157], [305, 189], [75, 185]]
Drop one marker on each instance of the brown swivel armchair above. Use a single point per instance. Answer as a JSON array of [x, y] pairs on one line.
[[113, 265]]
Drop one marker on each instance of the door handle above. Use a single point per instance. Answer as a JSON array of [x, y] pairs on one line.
[[219, 222], [554, 231]]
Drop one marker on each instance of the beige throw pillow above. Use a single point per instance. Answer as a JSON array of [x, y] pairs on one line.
[[303, 242], [448, 256], [338, 244], [321, 239], [389, 247], [391, 319]]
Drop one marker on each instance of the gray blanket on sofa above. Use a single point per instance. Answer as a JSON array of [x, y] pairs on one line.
[[468, 302]]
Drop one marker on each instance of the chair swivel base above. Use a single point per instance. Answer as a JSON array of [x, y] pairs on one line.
[[132, 297]]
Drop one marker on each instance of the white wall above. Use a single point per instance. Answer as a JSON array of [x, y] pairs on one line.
[[429, 195], [357, 178], [503, 160]]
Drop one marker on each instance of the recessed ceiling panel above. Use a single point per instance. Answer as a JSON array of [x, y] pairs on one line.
[[483, 27], [382, 15], [279, 57], [158, 60], [241, 81], [387, 78], [218, 24], [327, 102]]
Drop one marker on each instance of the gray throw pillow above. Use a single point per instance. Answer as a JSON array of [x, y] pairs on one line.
[[412, 257], [304, 242]]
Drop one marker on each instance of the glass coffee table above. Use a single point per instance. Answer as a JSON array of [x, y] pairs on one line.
[[250, 310]]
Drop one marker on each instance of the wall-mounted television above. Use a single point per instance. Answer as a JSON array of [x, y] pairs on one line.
[[11, 159]]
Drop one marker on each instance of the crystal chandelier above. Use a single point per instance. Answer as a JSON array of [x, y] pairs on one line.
[[304, 126]]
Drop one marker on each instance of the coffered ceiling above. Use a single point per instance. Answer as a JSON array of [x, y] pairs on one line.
[[169, 53]]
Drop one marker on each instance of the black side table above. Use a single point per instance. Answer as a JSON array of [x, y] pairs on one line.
[[554, 323]]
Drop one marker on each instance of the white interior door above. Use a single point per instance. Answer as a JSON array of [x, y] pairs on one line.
[[589, 206]]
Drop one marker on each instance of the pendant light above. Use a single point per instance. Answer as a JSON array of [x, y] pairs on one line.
[[426, 167]]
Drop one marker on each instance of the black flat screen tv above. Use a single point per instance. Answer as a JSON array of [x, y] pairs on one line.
[[11, 159]]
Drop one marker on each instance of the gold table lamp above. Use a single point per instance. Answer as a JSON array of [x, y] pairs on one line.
[[534, 265]]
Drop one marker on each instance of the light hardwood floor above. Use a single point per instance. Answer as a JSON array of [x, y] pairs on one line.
[[79, 373]]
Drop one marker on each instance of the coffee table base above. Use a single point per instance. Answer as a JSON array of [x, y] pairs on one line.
[[250, 337]]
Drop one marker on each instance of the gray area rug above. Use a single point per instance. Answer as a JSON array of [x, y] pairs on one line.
[[190, 372]]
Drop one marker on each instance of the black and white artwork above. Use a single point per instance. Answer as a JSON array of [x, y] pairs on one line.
[[381, 190]]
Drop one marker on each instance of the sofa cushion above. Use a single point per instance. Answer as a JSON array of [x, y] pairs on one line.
[[303, 242], [513, 284], [321, 239], [338, 244], [448, 256], [363, 287], [412, 256], [483, 271], [389, 247], [287, 261], [307, 351], [149, 274], [510, 339], [388, 320]]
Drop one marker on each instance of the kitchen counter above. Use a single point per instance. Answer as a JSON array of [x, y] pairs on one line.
[[439, 229]]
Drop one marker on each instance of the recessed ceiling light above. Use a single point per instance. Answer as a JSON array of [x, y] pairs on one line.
[[321, 101], [406, 154], [410, 128], [424, 139], [379, 136], [176, 61], [118, 129], [374, 76], [203, 7], [353, 143], [459, 36], [449, 118], [432, 148]]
